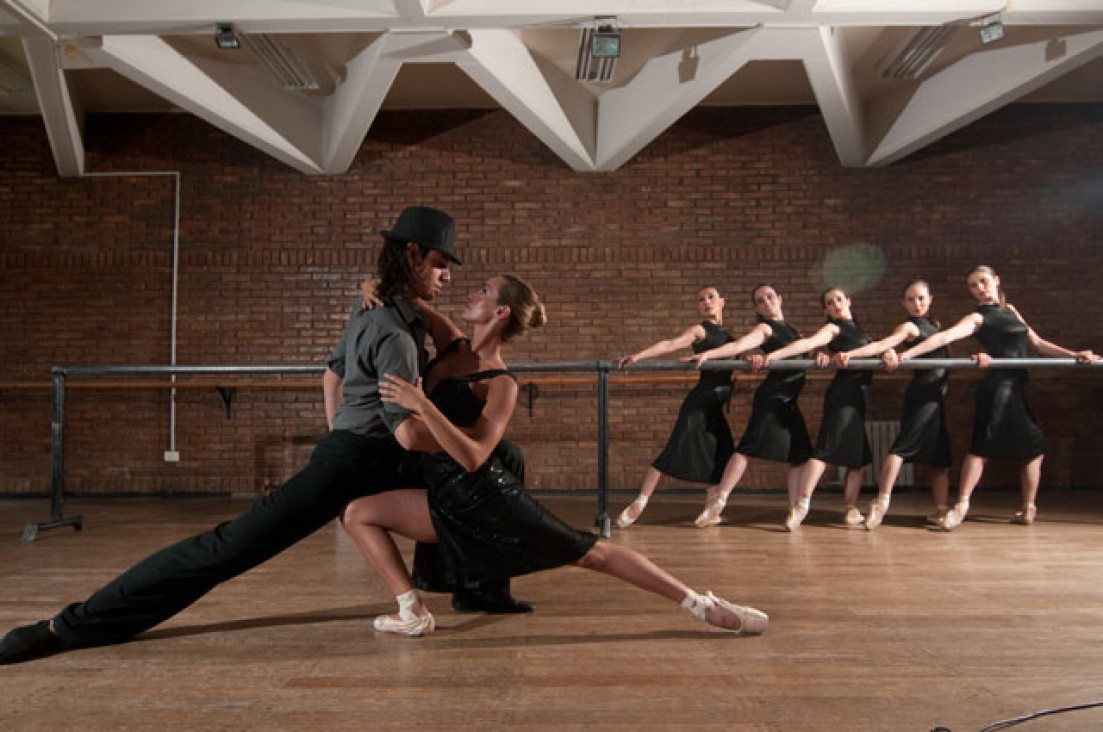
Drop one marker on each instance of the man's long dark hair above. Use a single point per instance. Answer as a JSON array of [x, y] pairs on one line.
[[394, 269]]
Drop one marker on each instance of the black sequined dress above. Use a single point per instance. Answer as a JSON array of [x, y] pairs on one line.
[[489, 527]]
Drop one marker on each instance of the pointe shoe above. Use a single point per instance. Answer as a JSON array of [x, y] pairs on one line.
[[797, 514], [739, 619], [877, 511], [714, 506], [407, 623], [1026, 516], [955, 516], [938, 517], [853, 517], [631, 512]]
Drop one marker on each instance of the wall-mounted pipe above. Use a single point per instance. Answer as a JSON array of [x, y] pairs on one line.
[[170, 452]]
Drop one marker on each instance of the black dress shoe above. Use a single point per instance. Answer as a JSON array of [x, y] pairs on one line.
[[481, 601], [29, 642]]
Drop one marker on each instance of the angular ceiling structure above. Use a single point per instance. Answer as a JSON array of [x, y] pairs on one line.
[[308, 77]]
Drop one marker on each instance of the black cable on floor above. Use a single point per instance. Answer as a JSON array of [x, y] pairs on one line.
[[1004, 724]]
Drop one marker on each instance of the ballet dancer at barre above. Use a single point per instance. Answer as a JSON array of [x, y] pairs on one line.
[[842, 436], [1003, 426], [923, 437], [701, 442], [775, 430], [488, 526]]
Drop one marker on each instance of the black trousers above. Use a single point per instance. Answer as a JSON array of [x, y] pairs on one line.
[[343, 466]]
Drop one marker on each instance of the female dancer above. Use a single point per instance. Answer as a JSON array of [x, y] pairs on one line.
[[487, 525], [1003, 426], [842, 437], [923, 437], [701, 442], [775, 430]]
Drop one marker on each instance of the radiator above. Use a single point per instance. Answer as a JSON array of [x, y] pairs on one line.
[[880, 435]]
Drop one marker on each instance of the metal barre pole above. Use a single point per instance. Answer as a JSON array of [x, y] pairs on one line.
[[602, 368]]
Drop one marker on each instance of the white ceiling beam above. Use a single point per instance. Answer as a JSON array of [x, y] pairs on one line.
[[667, 87], [82, 18], [157, 66], [350, 111], [62, 118], [978, 85], [832, 79], [556, 109]]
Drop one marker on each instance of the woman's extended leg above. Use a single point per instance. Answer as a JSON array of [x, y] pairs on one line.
[[632, 567]]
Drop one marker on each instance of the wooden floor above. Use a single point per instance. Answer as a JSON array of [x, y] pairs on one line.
[[898, 629]]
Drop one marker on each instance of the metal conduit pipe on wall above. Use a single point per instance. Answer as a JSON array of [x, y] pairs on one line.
[[600, 368]]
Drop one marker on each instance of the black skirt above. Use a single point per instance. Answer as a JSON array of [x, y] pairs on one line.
[[701, 441], [842, 437], [1004, 426], [490, 528]]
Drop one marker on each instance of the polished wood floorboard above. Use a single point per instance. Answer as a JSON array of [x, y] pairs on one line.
[[898, 629]]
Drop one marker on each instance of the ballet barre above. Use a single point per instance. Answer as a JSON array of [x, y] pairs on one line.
[[600, 369]]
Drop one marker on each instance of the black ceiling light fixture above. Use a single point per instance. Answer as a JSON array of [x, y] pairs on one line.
[[225, 38], [599, 47]]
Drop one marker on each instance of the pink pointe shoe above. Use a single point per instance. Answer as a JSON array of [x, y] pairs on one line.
[[714, 506], [631, 512], [738, 619], [853, 517], [877, 511], [955, 516], [797, 513], [1026, 516], [407, 622]]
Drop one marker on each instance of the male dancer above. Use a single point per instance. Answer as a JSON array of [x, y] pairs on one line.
[[360, 456]]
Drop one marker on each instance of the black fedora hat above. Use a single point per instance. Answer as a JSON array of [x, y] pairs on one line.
[[428, 227]]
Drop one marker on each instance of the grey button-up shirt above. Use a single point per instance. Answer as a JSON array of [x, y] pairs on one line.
[[383, 340]]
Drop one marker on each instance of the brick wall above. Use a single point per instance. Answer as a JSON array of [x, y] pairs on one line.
[[269, 261]]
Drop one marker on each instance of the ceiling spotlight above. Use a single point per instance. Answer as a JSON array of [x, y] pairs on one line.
[[598, 51], [605, 42], [225, 38], [991, 30]]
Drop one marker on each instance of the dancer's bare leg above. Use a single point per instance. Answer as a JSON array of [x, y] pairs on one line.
[[717, 496], [632, 567], [972, 468], [852, 489], [1031, 477], [940, 491], [793, 482], [632, 512], [813, 471], [370, 521], [890, 470]]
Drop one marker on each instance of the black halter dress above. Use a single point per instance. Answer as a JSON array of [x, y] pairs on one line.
[[488, 526], [842, 436], [1004, 426], [923, 437], [701, 441], [776, 429]]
